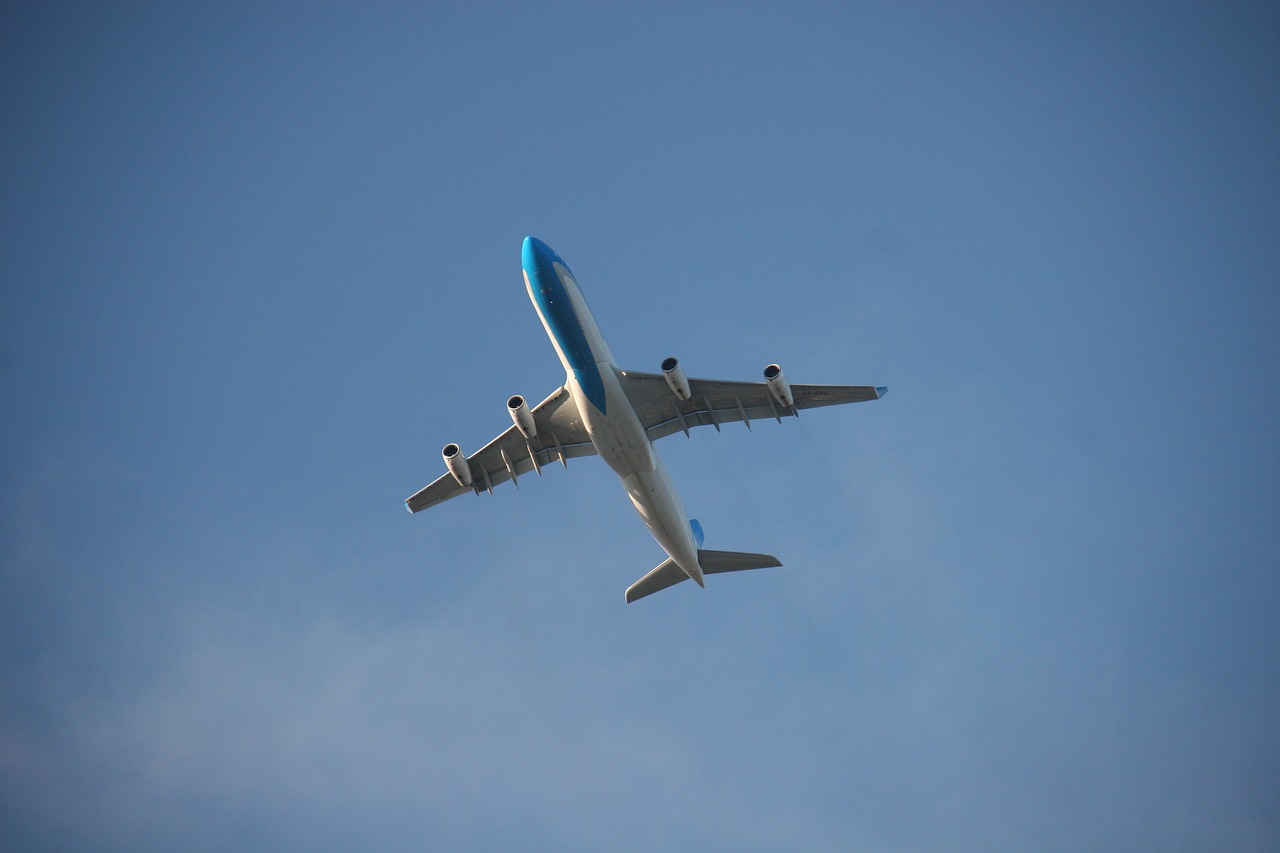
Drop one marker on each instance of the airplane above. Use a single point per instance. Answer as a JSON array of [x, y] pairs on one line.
[[618, 415]]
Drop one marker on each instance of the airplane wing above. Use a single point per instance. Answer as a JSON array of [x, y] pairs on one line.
[[714, 402], [559, 437]]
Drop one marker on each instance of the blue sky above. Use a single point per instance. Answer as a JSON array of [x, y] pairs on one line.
[[259, 265]]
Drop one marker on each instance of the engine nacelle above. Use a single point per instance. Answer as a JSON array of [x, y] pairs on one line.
[[778, 386], [676, 380], [518, 408], [456, 461]]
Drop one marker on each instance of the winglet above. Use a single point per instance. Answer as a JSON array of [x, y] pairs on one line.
[[881, 391]]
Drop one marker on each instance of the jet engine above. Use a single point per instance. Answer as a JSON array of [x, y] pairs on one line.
[[676, 380], [456, 461], [778, 386], [519, 411]]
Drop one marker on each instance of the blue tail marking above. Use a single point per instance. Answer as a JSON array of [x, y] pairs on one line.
[[697, 531]]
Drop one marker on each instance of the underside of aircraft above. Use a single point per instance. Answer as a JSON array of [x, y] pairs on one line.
[[618, 415]]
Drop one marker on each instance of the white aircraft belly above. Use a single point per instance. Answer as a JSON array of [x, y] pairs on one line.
[[623, 443], [658, 503], [619, 437]]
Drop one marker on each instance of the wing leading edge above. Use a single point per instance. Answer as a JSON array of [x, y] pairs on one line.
[[559, 437]]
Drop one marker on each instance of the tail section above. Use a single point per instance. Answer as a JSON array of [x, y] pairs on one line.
[[712, 563]]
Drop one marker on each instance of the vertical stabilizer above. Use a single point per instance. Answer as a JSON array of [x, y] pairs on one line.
[[697, 531]]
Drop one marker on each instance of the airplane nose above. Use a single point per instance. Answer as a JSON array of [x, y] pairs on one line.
[[535, 253], [539, 261]]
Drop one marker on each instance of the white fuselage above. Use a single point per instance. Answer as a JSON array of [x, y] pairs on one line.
[[606, 412]]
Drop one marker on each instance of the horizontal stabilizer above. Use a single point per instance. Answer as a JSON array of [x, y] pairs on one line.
[[665, 575], [712, 562]]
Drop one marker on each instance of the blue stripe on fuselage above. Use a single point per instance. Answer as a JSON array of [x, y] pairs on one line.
[[556, 307]]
